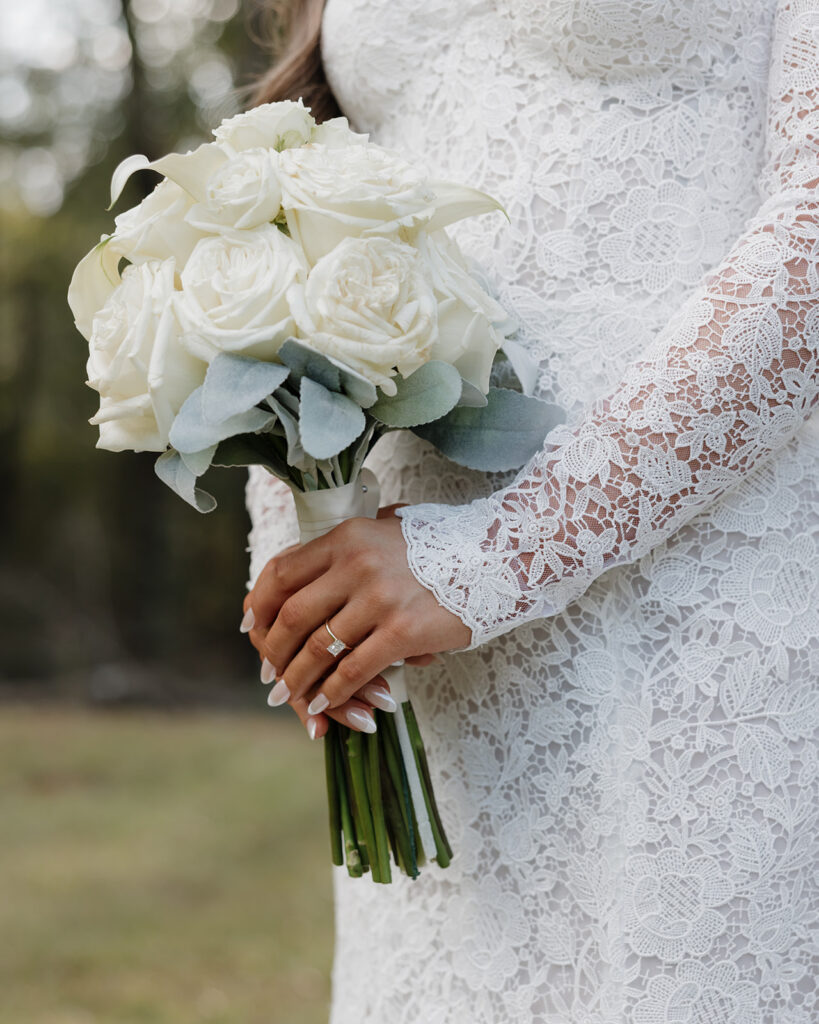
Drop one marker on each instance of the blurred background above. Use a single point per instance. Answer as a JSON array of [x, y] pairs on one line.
[[154, 866]]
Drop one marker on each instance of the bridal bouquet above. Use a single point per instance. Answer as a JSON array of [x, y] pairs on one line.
[[285, 296]]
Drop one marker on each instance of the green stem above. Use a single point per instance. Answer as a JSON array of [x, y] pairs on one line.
[[443, 850], [363, 816], [373, 759], [398, 775], [333, 797], [354, 866]]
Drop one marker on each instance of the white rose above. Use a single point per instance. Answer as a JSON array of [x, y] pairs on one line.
[[471, 324], [332, 193], [155, 229], [136, 363], [270, 126], [369, 305], [337, 133], [233, 296], [242, 193]]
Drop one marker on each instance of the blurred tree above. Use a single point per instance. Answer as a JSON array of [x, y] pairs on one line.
[[109, 585]]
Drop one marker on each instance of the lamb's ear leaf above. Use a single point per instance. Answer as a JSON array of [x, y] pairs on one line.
[[199, 462], [249, 450], [171, 470], [296, 455], [426, 394], [234, 384], [471, 396], [525, 367], [305, 361], [191, 432], [329, 421], [502, 435]]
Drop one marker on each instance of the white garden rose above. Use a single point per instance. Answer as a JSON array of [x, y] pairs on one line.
[[368, 304], [136, 362], [155, 229], [234, 293], [471, 324], [337, 133], [269, 126], [243, 193], [332, 193]]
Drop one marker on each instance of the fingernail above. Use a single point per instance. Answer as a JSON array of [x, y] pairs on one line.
[[317, 705], [248, 621], [312, 725], [268, 672], [380, 697], [397, 664], [280, 694], [361, 719]]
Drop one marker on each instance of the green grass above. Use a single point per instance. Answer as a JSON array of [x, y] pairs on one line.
[[161, 869]]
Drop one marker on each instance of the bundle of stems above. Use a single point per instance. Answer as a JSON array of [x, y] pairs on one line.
[[372, 813]]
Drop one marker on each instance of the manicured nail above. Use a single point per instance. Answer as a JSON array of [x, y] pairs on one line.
[[380, 697], [361, 720], [397, 664], [248, 622], [317, 705], [312, 725], [280, 694], [268, 672]]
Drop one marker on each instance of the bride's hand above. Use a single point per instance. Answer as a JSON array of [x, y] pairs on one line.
[[357, 578]]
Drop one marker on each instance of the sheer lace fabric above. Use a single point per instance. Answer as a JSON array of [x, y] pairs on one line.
[[627, 759]]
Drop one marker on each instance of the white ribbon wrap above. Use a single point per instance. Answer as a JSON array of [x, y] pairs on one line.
[[318, 512]]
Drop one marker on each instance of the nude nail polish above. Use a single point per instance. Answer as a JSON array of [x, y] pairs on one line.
[[268, 673], [280, 694], [361, 720], [312, 725], [248, 621], [317, 705]]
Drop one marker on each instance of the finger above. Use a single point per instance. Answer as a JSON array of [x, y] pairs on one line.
[[365, 661], [315, 725], [284, 575], [314, 659], [301, 615], [389, 510]]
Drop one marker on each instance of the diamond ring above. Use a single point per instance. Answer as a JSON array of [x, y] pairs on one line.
[[337, 646]]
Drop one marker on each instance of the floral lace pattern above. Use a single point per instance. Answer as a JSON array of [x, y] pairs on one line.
[[628, 758]]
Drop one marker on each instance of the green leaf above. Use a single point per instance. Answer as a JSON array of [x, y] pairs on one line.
[[329, 421], [471, 396], [427, 394], [296, 456], [234, 384], [191, 432], [332, 373], [502, 435], [171, 470], [199, 462], [250, 450]]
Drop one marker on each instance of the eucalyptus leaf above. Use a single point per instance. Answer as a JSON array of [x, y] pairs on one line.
[[427, 394], [171, 470], [329, 421], [332, 373], [234, 384], [191, 432], [502, 435]]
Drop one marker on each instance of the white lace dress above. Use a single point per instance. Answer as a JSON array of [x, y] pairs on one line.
[[627, 757]]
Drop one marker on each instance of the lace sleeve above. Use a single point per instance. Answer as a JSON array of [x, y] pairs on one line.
[[272, 517], [727, 382]]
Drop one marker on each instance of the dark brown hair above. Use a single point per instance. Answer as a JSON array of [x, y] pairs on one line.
[[293, 33]]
